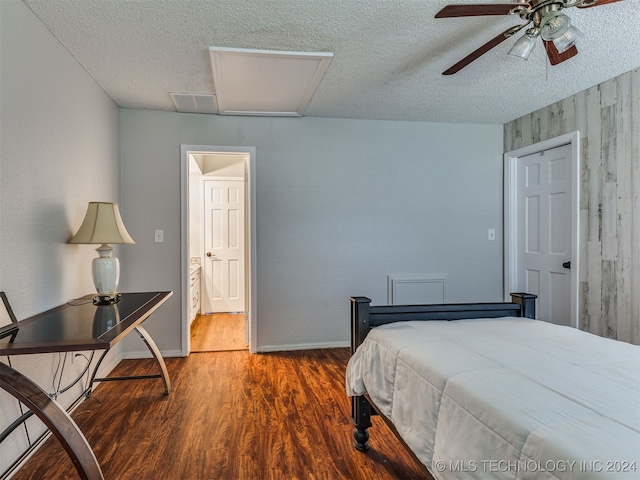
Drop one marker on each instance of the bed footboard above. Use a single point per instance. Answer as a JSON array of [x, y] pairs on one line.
[[364, 317]]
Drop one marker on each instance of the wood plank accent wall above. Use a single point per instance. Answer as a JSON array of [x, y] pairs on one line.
[[608, 119]]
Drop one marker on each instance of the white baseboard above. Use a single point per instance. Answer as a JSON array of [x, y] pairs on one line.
[[302, 346], [264, 349]]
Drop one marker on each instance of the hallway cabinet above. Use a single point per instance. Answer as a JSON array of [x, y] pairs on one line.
[[194, 293]]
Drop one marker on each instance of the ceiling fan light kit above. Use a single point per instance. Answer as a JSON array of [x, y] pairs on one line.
[[549, 23], [553, 25], [525, 44], [568, 39]]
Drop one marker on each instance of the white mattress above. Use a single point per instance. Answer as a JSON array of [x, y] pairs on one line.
[[507, 398]]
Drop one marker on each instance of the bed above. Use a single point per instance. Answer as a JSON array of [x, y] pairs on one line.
[[495, 394]]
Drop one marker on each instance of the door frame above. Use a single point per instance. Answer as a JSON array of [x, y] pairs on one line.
[[251, 248], [511, 222]]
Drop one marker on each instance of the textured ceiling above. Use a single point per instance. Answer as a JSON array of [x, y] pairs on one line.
[[389, 54]]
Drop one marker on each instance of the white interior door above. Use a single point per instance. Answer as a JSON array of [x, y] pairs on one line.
[[224, 246], [541, 226], [544, 252]]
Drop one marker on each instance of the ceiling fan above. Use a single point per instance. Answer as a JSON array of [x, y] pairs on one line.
[[545, 16]]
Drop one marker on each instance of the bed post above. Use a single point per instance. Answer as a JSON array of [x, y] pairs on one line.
[[528, 302], [360, 324], [360, 407]]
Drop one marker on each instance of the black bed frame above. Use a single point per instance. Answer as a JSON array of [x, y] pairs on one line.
[[365, 316]]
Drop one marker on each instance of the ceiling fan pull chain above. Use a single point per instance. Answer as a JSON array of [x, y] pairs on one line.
[[546, 69]]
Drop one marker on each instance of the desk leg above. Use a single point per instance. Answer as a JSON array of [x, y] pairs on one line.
[[94, 373], [55, 418], [153, 348]]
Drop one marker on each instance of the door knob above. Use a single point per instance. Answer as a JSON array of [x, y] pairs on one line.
[[567, 265], [209, 254]]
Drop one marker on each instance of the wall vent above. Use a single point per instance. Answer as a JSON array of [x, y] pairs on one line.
[[415, 289]]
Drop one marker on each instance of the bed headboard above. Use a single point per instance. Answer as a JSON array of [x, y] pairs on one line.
[[365, 316]]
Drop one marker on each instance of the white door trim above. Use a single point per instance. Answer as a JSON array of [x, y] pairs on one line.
[[250, 246], [510, 212]]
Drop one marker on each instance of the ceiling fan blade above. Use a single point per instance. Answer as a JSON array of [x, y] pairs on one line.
[[479, 9], [598, 3], [556, 57], [482, 50]]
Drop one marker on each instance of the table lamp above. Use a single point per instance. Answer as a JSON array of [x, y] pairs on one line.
[[103, 225]]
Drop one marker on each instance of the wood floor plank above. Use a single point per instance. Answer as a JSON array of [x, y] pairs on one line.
[[231, 415], [218, 332]]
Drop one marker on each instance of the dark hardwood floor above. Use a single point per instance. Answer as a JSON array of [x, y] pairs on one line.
[[232, 415]]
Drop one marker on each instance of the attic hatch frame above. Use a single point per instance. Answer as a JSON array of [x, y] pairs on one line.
[[266, 82]]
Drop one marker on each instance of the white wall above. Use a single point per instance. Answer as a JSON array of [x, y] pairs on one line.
[[340, 205], [59, 150]]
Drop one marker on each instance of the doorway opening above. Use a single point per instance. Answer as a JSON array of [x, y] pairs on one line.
[[218, 248], [541, 226]]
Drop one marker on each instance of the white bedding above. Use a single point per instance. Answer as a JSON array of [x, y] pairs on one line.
[[507, 398]]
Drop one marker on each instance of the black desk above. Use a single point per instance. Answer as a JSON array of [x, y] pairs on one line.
[[69, 328]]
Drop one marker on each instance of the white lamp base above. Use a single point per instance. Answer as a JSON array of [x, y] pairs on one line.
[[106, 275]]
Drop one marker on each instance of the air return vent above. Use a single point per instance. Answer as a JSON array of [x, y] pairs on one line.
[[194, 102]]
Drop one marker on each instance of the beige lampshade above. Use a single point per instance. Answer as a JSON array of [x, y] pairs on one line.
[[102, 224]]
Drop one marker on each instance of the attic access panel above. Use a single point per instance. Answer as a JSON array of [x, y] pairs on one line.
[[266, 82]]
